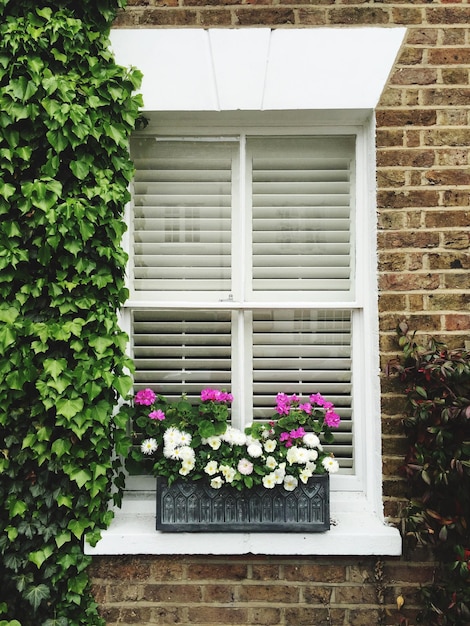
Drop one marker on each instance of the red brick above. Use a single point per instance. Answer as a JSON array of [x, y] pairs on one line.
[[219, 615], [172, 593], [217, 571], [277, 594], [322, 572], [359, 15]]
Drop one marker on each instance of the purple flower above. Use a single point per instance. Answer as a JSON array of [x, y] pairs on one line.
[[317, 399], [332, 419], [298, 433], [157, 415], [145, 397], [215, 395]]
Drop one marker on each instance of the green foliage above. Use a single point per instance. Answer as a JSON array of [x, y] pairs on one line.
[[437, 468], [66, 111]]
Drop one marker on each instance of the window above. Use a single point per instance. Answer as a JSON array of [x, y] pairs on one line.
[[243, 267], [246, 89]]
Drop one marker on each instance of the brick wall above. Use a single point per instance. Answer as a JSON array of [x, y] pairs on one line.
[[423, 179]]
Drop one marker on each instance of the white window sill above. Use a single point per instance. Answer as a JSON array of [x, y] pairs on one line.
[[354, 531]]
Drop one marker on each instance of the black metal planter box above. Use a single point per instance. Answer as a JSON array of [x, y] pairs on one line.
[[197, 507]]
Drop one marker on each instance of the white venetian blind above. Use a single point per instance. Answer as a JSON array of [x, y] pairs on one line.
[[182, 215], [302, 214], [304, 352], [178, 352]]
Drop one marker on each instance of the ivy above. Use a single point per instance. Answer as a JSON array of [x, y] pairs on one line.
[[436, 381], [66, 112]]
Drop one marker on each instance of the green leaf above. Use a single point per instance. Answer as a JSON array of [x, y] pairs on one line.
[[80, 476], [36, 595], [80, 169], [7, 338], [40, 556], [61, 447], [65, 500], [123, 385], [69, 407], [63, 538], [7, 190], [55, 367], [78, 527]]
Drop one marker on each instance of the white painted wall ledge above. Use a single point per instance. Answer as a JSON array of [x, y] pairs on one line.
[[355, 530], [259, 68]]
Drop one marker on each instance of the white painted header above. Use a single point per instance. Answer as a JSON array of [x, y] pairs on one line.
[[259, 68]]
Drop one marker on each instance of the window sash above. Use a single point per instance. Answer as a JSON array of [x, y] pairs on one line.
[[288, 220], [236, 211]]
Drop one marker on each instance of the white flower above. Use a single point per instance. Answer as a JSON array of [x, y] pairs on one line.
[[305, 474], [228, 472], [310, 467], [214, 442], [211, 468], [245, 467], [270, 445], [271, 462], [185, 439], [187, 454], [217, 482], [290, 483], [255, 450], [186, 467], [168, 452], [292, 455], [279, 474], [172, 437], [182, 453], [330, 464], [312, 455], [311, 440], [234, 436], [148, 446], [269, 481]]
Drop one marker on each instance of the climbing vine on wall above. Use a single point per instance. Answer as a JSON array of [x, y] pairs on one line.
[[436, 380], [66, 112]]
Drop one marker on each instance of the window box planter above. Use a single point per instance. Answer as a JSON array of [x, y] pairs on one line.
[[197, 507]]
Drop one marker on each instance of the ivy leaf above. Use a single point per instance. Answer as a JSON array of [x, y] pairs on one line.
[[123, 385], [35, 595], [69, 407], [7, 338], [63, 538], [78, 526], [61, 447], [40, 556], [80, 476], [59, 621]]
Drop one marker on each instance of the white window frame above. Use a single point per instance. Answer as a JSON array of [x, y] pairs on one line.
[[356, 506], [258, 69]]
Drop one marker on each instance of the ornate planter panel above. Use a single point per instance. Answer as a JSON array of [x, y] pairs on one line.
[[196, 507]]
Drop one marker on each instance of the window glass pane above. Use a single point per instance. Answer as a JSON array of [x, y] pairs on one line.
[[182, 215], [302, 213], [178, 352], [304, 352]]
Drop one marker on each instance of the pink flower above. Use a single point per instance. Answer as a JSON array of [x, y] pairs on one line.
[[284, 437], [145, 397], [215, 395], [157, 415], [332, 419], [307, 407], [298, 433], [318, 399]]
